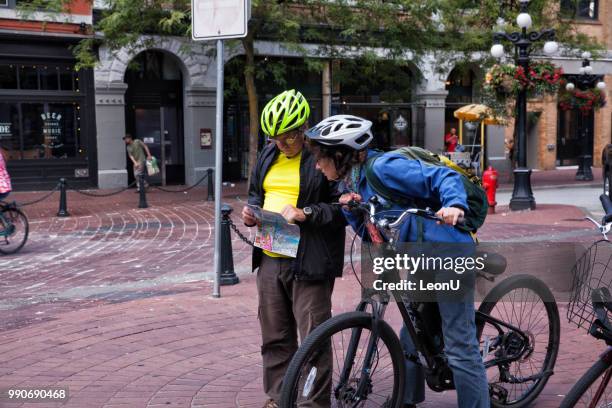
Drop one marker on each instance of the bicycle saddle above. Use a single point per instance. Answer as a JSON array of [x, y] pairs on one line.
[[495, 264]]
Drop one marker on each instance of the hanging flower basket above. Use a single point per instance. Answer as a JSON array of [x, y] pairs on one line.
[[583, 100], [504, 81]]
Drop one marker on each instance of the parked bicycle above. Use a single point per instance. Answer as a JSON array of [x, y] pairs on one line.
[[590, 307], [14, 228], [517, 324]]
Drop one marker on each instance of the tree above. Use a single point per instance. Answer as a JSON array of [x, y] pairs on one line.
[[371, 30]]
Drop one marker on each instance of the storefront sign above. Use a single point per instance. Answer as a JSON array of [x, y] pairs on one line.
[[5, 131], [219, 20], [400, 123], [52, 130]]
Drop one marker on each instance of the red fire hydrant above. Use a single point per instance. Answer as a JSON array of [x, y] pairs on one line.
[[490, 184]]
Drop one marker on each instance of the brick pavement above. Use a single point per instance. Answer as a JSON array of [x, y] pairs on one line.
[[114, 302]]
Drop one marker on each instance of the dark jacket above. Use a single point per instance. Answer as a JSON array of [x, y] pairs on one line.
[[321, 250]]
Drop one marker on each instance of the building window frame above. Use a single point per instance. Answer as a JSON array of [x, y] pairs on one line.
[[573, 9], [80, 135], [43, 68]]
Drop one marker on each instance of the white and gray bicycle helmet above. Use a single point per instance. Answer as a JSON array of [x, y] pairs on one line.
[[342, 130]]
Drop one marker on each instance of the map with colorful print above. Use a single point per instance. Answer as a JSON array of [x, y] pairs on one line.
[[274, 233]]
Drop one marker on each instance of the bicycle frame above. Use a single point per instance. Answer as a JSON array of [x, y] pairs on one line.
[[4, 222], [435, 365], [429, 355], [606, 356]]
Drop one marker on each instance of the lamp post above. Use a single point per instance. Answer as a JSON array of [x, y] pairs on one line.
[[583, 81], [522, 195]]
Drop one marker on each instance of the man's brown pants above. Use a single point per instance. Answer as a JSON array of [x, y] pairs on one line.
[[284, 306]]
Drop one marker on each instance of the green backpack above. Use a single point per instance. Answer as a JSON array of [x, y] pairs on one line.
[[476, 196]]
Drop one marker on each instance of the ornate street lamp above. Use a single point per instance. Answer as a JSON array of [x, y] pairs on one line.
[[583, 81], [522, 195]]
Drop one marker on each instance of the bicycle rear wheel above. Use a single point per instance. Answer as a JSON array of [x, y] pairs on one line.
[[592, 390], [346, 338], [527, 304], [14, 229]]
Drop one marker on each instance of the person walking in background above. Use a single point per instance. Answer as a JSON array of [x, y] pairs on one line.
[[5, 179], [139, 153], [294, 293], [451, 140]]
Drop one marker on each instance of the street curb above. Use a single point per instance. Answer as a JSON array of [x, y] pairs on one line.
[[552, 187]]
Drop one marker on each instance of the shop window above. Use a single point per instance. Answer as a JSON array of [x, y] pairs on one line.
[[31, 122], [580, 9], [42, 130], [28, 77], [68, 79], [49, 78], [8, 76], [9, 129], [44, 77]]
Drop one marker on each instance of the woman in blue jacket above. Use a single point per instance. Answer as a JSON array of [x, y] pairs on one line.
[[339, 144]]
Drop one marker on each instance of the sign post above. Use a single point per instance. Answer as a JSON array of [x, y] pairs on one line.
[[219, 20]]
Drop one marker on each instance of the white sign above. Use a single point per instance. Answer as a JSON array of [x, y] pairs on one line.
[[219, 19], [5, 130], [400, 123]]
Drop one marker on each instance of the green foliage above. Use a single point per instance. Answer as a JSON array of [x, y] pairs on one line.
[[343, 29], [393, 81]]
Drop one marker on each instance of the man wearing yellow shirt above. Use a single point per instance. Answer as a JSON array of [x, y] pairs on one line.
[[294, 293]]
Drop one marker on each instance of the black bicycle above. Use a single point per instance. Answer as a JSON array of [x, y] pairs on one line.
[[517, 323], [590, 307], [14, 228]]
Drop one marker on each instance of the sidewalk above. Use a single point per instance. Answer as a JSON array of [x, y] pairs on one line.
[[114, 303], [555, 179]]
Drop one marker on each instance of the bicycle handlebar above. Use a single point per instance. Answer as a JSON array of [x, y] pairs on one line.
[[370, 209]]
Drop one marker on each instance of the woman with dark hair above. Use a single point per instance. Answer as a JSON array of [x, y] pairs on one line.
[[340, 146]]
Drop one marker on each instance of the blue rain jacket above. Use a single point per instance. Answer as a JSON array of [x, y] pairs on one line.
[[438, 186]]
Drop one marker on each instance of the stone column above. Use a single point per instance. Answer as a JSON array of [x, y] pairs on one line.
[[435, 105], [199, 114], [110, 128]]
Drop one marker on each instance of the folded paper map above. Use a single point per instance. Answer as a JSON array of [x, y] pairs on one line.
[[274, 233]]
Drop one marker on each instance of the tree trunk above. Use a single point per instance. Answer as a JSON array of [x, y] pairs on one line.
[[249, 77]]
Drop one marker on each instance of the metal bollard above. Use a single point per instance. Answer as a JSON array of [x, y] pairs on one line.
[[211, 185], [228, 276], [63, 204], [142, 202]]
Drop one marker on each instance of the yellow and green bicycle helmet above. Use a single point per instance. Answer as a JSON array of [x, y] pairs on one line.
[[286, 111]]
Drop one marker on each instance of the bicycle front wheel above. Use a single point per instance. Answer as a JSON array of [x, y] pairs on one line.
[[525, 303], [14, 229], [342, 363], [592, 389]]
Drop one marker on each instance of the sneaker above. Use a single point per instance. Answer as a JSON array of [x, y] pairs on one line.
[[270, 404]]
